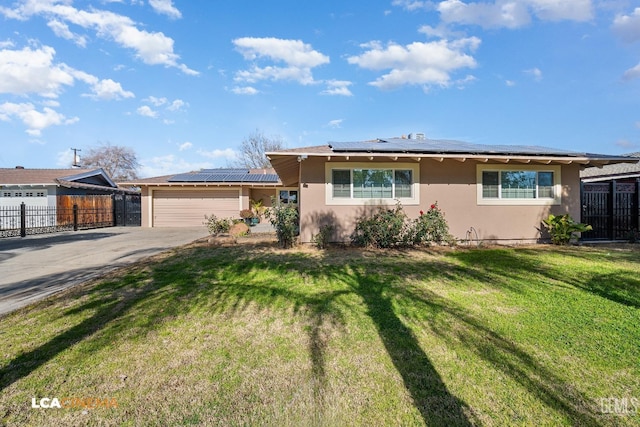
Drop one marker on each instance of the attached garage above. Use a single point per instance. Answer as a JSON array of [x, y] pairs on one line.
[[187, 208]]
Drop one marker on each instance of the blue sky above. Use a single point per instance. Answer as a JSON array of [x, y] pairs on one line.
[[184, 82]]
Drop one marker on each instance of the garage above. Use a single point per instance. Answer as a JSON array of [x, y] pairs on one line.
[[187, 208]]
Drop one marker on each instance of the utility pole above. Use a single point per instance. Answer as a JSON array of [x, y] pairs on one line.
[[75, 157]]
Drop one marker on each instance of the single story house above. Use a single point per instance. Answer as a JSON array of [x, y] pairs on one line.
[[498, 192], [183, 200], [40, 187]]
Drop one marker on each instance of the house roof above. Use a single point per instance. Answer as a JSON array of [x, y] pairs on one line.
[[219, 176], [286, 161], [94, 179], [617, 170]]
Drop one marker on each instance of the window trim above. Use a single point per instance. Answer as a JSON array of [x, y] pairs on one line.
[[350, 201], [557, 185]]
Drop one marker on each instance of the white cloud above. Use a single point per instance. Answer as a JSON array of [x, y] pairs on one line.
[[107, 89], [216, 154], [62, 30], [298, 58], [33, 71], [337, 87], [246, 90], [165, 7], [632, 73], [412, 5], [35, 120], [535, 73], [153, 48], [626, 144], [335, 124], [169, 164], [628, 26], [64, 159], [177, 105], [29, 71], [158, 102], [185, 146], [509, 83], [146, 111], [513, 13], [418, 63]]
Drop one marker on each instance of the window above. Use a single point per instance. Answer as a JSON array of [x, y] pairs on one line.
[[6, 194], [360, 183], [288, 197], [503, 184]]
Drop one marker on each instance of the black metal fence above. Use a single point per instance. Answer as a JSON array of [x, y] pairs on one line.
[[612, 209], [26, 220]]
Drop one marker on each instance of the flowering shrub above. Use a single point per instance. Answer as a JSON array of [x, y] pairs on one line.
[[388, 228], [384, 229], [431, 227]]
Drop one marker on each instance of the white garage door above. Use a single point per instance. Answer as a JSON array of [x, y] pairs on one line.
[[187, 208]]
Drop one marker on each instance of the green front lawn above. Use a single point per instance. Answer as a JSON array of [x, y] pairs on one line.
[[254, 335]]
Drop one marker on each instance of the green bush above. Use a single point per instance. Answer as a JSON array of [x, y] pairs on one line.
[[217, 225], [322, 239], [562, 228], [388, 228], [284, 219], [431, 227]]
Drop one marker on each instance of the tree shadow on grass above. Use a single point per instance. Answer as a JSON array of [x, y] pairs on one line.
[[621, 286], [437, 405]]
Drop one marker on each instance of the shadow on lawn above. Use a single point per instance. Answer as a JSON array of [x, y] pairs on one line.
[[228, 280], [622, 287]]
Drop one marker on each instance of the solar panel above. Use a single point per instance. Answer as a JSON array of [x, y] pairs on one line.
[[224, 175], [443, 146]]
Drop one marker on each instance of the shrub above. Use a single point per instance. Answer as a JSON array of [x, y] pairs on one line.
[[217, 225], [431, 227], [284, 219], [386, 228], [563, 228], [322, 239]]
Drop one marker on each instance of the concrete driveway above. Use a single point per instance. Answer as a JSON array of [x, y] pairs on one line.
[[35, 267]]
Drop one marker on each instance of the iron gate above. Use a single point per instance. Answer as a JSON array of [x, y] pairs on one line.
[[611, 208], [127, 209]]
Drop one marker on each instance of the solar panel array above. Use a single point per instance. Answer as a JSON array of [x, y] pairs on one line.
[[399, 145], [224, 175]]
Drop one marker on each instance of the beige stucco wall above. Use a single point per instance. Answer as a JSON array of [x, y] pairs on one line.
[[453, 185], [146, 207]]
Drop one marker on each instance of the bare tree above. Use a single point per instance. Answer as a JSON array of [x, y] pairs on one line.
[[121, 163], [253, 149]]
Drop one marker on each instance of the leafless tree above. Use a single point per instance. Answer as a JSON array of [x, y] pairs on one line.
[[121, 163], [253, 149]]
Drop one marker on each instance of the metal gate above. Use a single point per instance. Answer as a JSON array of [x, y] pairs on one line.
[[127, 209], [611, 208]]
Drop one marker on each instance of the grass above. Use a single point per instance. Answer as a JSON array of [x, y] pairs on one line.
[[254, 335]]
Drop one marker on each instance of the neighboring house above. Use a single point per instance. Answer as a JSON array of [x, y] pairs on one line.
[[621, 172], [40, 187], [500, 193], [184, 199]]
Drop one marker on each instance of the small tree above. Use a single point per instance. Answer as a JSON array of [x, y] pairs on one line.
[[253, 149], [121, 163]]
